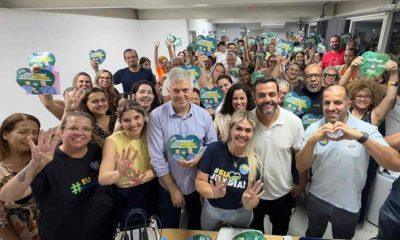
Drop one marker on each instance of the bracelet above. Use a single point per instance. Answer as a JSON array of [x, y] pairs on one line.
[[363, 138], [393, 84]]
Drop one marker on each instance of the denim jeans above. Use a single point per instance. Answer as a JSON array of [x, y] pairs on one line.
[[170, 215], [211, 216], [319, 212]]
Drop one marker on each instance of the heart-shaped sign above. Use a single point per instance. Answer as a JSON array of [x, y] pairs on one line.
[[252, 41], [194, 71], [249, 235], [256, 75], [183, 147], [334, 134], [321, 48], [243, 31], [297, 104], [42, 59], [374, 64], [267, 41], [234, 72], [308, 119], [298, 49], [99, 55], [211, 97], [284, 47], [39, 83], [289, 35], [345, 37], [235, 40], [310, 42], [206, 44], [200, 237]]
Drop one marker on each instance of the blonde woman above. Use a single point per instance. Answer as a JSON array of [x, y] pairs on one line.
[[227, 176], [104, 80]]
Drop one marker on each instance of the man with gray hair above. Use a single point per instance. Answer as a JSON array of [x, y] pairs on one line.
[[177, 130]]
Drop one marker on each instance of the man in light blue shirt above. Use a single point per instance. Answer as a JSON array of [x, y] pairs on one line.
[[178, 125], [338, 148]]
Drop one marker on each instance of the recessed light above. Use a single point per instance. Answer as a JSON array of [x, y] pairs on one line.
[[200, 5]]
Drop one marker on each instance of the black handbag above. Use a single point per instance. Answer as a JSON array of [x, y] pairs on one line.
[[149, 230]]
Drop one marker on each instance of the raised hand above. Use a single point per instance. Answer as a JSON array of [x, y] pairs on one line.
[[156, 44], [391, 66], [94, 65], [137, 177], [251, 196], [126, 160], [219, 188], [43, 152], [73, 99], [357, 62]]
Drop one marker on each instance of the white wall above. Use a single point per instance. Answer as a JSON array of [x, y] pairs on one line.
[[201, 26], [70, 38]]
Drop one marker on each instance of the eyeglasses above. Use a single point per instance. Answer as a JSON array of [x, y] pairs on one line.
[[271, 61], [75, 129], [334, 76], [316, 75], [105, 78]]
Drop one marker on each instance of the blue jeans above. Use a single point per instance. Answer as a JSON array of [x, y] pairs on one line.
[[319, 212], [211, 216], [170, 215]]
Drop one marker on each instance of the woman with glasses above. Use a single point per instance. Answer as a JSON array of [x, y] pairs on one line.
[[104, 80], [331, 77], [62, 178]]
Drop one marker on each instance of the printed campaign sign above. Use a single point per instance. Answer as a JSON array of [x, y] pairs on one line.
[[267, 41], [252, 41], [298, 49], [211, 97], [99, 55], [289, 35], [271, 35], [234, 72], [235, 40], [243, 31], [321, 48], [260, 56], [309, 119], [284, 47], [194, 71], [297, 104], [345, 37], [256, 75], [40, 82], [42, 59], [184, 148], [374, 64], [310, 42], [206, 44], [177, 42]]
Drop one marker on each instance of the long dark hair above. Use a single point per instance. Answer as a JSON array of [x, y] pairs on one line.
[[86, 97], [8, 125], [156, 101], [227, 107]]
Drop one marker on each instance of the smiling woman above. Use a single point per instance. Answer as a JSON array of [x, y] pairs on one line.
[[104, 80]]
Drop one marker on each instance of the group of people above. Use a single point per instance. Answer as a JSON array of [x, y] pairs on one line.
[[158, 148]]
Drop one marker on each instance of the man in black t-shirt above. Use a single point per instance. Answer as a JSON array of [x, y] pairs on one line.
[[133, 73]]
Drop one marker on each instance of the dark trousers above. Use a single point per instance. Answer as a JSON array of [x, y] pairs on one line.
[[170, 215], [279, 211], [127, 199], [319, 212]]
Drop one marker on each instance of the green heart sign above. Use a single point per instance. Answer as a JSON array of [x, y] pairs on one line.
[[298, 49], [249, 235], [99, 55], [42, 59], [38, 83], [206, 44], [252, 41], [211, 97], [200, 237], [297, 104], [272, 35], [284, 47], [267, 41], [374, 64], [243, 31], [194, 71], [310, 42], [184, 147], [309, 119], [256, 75], [289, 35], [345, 37]]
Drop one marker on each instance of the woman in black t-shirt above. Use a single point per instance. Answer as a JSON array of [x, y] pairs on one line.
[[227, 176]]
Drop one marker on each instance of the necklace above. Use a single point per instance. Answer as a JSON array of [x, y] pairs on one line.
[[235, 162]]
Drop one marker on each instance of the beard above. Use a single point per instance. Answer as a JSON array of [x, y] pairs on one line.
[[270, 111], [335, 47]]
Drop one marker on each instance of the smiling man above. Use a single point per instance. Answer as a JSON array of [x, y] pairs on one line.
[[335, 56], [277, 133], [338, 148]]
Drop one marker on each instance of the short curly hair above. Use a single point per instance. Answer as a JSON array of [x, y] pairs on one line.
[[378, 90]]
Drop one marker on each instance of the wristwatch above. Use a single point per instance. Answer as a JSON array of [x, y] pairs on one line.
[[363, 138], [393, 84]]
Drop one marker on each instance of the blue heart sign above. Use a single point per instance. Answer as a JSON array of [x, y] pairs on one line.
[[99, 55], [309, 119], [184, 148], [284, 47]]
